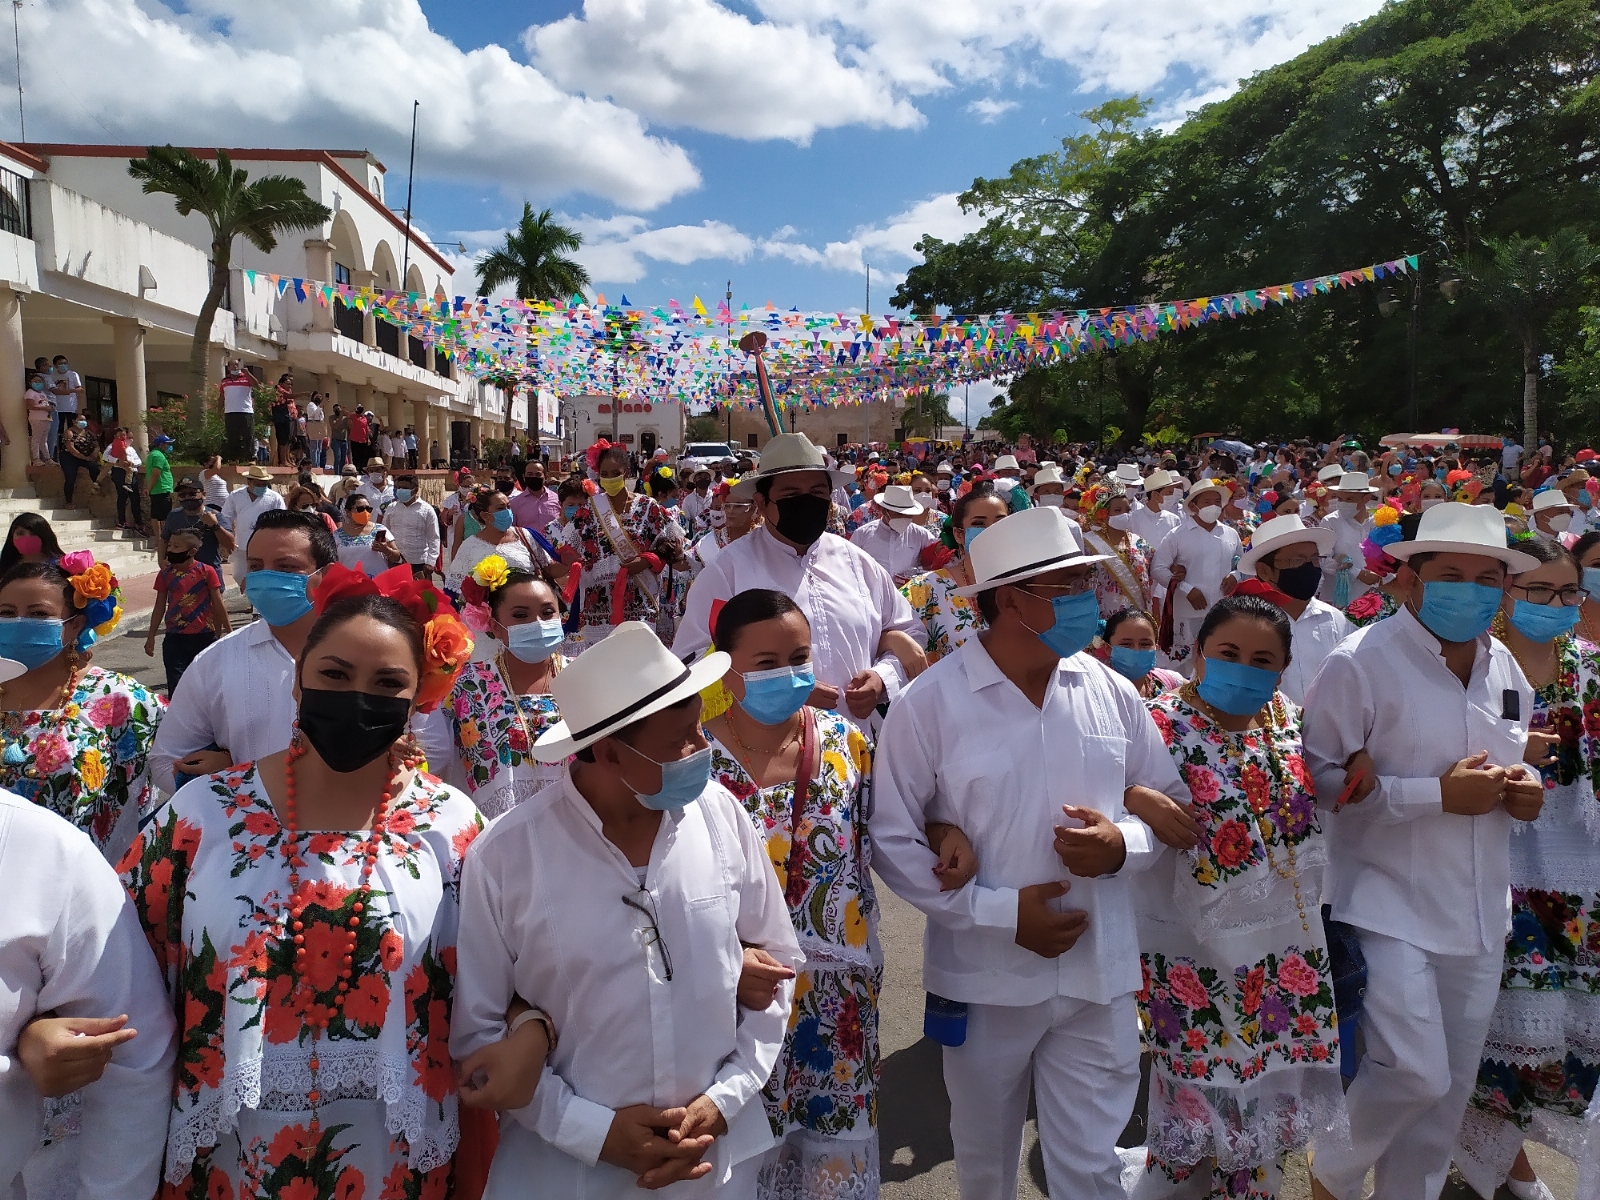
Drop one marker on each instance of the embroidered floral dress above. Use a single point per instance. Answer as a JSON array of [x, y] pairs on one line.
[[823, 1095], [88, 761], [1237, 996], [949, 619], [489, 742], [1542, 1056], [1123, 580], [1372, 606], [653, 530], [208, 877]]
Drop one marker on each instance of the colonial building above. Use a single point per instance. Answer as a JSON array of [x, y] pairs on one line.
[[876, 421]]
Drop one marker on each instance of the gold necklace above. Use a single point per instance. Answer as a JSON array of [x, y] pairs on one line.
[[727, 718], [516, 697], [1586, 626]]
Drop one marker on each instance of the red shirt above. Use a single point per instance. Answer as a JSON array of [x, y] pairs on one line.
[[188, 597]]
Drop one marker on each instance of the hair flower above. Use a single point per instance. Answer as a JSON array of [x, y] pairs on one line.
[[491, 572], [77, 562], [95, 583]]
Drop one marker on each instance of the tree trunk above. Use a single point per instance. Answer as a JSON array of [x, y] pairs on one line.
[[1135, 386], [200, 348], [1530, 400]]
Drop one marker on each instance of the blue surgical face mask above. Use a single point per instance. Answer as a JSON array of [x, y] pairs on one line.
[[534, 641], [279, 596], [1394, 468], [1591, 582], [1077, 621], [31, 641], [1236, 688], [1542, 622], [1458, 612], [569, 511], [681, 780], [1584, 499], [1132, 664], [772, 697], [257, 492], [503, 520], [403, 495], [970, 535]]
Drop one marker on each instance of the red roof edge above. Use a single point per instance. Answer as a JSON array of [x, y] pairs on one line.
[[18, 153]]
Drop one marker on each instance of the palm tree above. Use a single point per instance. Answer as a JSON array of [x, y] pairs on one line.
[[220, 193], [1528, 281], [532, 259]]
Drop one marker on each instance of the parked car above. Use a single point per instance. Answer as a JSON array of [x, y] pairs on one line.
[[702, 454]]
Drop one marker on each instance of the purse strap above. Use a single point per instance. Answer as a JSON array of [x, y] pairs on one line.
[[802, 788]]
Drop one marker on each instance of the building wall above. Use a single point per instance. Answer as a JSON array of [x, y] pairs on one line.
[[827, 427], [585, 423]]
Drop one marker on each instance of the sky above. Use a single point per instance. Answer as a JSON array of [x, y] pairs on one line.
[[788, 146]]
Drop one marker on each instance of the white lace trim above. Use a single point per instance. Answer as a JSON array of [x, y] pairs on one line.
[[1532, 1026], [1266, 900], [1487, 1144], [1560, 852], [279, 1080], [821, 955], [812, 1166], [1249, 1125]]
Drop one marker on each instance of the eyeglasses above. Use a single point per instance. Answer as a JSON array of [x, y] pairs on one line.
[[1075, 587], [654, 938], [1568, 597]]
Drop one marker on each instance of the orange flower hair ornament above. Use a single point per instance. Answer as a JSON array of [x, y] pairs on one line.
[[96, 591], [446, 642]]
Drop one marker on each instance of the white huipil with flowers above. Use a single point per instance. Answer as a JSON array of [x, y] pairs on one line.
[[209, 877], [1237, 990]]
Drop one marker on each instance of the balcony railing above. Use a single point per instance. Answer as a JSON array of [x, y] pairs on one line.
[[16, 211], [417, 352], [349, 321], [388, 338]]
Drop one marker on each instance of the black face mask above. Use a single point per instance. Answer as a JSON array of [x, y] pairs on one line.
[[503, 486], [803, 519], [191, 505], [177, 560], [1300, 583], [534, 483], [350, 729]]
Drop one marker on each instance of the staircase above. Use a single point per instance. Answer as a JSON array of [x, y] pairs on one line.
[[126, 553]]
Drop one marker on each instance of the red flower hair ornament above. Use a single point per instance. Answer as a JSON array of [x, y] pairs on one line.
[[446, 641]]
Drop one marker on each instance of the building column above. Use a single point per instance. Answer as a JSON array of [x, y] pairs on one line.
[[319, 267], [133, 408], [474, 436], [13, 400], [422, 424]]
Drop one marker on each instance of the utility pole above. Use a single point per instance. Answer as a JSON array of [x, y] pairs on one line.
[[728, 348], [16, 37], [868, 308], [411, 171]]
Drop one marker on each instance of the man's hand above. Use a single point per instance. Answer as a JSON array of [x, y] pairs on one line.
[[207, 517], [1470, 789], [1096, 849], [698, 1126], [1359, 766], [1196, 598], [637, 1142], [1040, 928], [1369, 578], [864, 693], [204, 762], [958, 862], [824, 695], [1171, 822], [1179, 572], [759, 979], [1524, 794], [150, 645], [1541, 747], [63, 1054], [504, 1075]]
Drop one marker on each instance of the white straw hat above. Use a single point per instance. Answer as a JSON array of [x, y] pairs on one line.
[[1019, 547], [1050, 474], [1330, 472], [1282, 531], [1355, 481], [1157, 480], [1127, 474], [1463, 529], [617, 682], [1548, 499], [1007, 462], [785, 453], [897, 498]]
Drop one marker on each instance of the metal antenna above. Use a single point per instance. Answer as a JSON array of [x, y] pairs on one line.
[[16, 37], [411, 171]]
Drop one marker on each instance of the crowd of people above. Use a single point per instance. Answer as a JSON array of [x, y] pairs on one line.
[[531, 840]]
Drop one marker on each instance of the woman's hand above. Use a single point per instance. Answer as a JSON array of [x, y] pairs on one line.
[[958, 862], [1171, 822], [759, 978], [63, 1054]]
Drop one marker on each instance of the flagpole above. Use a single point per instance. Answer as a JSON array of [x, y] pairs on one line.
[[411, 171]]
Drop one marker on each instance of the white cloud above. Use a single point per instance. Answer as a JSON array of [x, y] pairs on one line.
[[989, 110], [615, 250], [335, 73], [694, 62]]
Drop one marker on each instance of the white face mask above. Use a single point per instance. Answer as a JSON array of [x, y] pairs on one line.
[[1118, 521], [1559, 522], [1210, 513], [1049, 501], [717, 518], [899, 524], [1430, 501], [1347, 508], [1172, 504]]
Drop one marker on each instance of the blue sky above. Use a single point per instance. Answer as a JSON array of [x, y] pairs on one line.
[[779, 143]]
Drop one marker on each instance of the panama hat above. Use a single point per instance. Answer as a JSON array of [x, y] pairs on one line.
[[11, 669], [1019, 547], [900, 500], [1548, 499], [1127, 474], [259, 473], [785, 453], [1282, 531], [1211, 485], [1355, 481], [1330, 472], [1048, 475], [1157, 480], [618, 681], [1462, 529], [1007, 462]]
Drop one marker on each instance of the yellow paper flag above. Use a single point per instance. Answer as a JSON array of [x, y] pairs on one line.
[[700, 309]]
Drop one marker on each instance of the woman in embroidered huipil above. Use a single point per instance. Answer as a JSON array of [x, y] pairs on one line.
[[1123, 579], [302, 910], [76, 737], [1237, 995], [949, 619], [480, 738], [1537, 1074]]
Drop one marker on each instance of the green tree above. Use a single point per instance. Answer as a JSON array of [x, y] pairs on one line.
[[926, 412], [533, 260], [704, 428], [1529, 281], [234, 206]]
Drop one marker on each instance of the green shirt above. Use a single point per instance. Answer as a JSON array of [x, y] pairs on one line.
[[159, 472]]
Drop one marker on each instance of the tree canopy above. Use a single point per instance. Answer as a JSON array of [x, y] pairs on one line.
[[1437, 127]]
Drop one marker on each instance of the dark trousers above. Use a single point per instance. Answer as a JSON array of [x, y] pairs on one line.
[[160, 505], [64, 422], [178, 650], [360, 452], [70, 466], [241, 431], [127, 485]]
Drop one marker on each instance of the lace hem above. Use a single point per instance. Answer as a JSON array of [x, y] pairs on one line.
[[1487, 1145], [822, 956], [1534, 1026], [1245, 1126], [280, 1081], [1257, 903], [810, 1166]]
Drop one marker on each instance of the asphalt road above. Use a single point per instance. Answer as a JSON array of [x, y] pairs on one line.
[[918, 1162]]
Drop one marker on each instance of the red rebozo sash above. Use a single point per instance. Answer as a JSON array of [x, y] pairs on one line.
[[480, 1138]]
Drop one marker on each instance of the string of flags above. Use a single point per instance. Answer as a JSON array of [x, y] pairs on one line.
[[679, 354]]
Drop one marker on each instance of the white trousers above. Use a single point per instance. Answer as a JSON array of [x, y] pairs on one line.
[[1082, 1061], [1424, 1017]]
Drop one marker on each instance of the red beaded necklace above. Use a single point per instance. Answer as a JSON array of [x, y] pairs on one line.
[[294, 908]]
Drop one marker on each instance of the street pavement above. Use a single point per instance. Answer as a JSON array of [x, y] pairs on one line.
[[914, 1112]]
